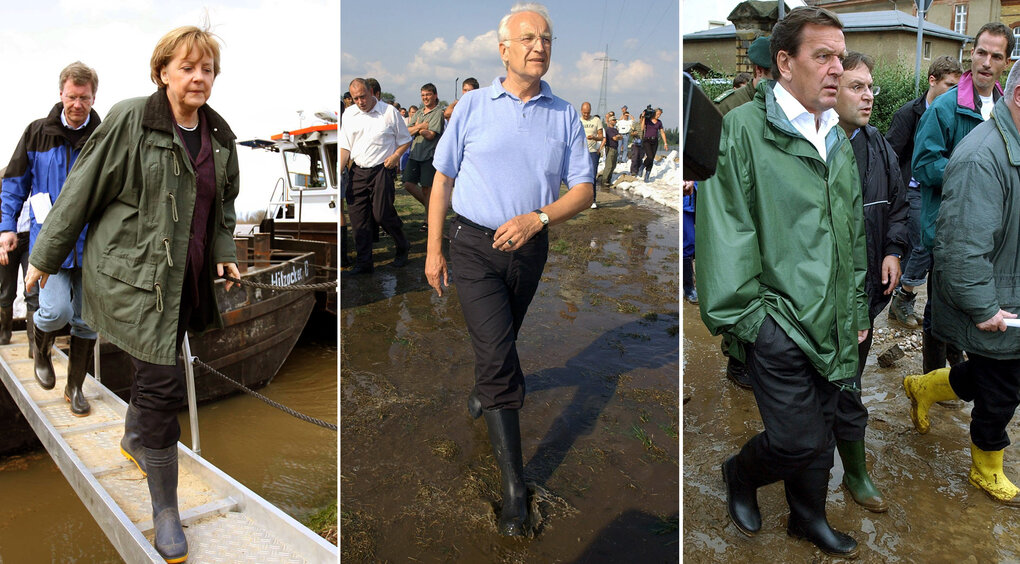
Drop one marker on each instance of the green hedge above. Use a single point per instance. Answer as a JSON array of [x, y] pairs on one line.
[[896, 83]]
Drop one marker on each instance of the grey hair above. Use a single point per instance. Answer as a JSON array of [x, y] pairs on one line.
[[504, 24], [1011, 83]]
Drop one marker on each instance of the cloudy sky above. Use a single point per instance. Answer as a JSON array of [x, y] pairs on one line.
[[697, 13], [277, 57], [405, 44]]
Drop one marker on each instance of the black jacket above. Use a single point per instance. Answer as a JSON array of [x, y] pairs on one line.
[[901, 134], [885, 210]]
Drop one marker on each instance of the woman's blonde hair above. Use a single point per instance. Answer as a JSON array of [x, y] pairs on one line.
[[191, 38]]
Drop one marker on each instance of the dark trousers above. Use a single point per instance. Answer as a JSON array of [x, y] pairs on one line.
[[159, 392], [594, 172], [495, 289], [609, 167], [994, 387], [371, 198], [649, 146], [851, 415], [797, 407], [635, 157], [18, 258]]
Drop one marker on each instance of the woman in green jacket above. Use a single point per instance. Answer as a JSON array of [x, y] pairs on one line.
[[156, 183]]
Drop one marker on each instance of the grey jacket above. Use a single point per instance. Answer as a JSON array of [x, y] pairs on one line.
[[977, 243]]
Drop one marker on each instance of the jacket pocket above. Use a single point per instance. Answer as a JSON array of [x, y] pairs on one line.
[[128, 288]]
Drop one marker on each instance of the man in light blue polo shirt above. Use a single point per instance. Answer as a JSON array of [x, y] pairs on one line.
[[509, 146]]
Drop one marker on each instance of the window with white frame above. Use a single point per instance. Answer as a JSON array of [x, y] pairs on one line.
[[1016, 43], [960, 21]]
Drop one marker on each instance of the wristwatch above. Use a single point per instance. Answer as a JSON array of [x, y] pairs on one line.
[[542, 216]]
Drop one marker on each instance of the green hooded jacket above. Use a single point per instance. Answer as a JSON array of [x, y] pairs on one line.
[[977, 243], [780, 232], [134, 185]]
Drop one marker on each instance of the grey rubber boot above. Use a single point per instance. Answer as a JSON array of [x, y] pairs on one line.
[[171, 543], [131, 443]]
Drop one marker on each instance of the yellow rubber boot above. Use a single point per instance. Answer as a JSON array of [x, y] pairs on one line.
[[924, 390], [986, 473]]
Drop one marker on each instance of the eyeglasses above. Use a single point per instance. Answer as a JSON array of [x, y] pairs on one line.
[[859, 89], [529, 40], [85, 100]]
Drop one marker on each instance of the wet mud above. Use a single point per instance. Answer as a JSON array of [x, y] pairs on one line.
[[290, 463], [599, 348], [934, 515]]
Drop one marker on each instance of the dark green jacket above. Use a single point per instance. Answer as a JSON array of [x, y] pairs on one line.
[[780, 232], [735, 97], [135, 187], [943, 125], [977, 244]]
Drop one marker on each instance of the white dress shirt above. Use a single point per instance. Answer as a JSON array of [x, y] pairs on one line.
[[373, 135], [804, 121]]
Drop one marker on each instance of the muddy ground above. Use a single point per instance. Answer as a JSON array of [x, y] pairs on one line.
[[935, 515], [599, 428]]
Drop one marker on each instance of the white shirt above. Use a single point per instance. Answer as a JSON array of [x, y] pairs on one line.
[[986, 107], [63, 120], [804, 121], [624, 125], [374, 135]]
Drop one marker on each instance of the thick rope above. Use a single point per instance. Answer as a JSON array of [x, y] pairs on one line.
[[331, 285], [257, 395]]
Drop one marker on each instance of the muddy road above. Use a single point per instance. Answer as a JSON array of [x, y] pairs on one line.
[[599, 427], [935, 515]]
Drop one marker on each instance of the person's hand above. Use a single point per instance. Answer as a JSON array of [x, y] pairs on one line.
[[8, 242], [861, 335], [436, 272], [688, 187], [890, 273], [513, 234], [997, 322], [35, 275], [231, 270], [392, 161]]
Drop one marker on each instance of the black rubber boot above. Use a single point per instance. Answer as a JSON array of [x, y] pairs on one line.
[[933, 353], [77, 366], [131, 443], [505, 436], [474, 406], [6, 319], [171, 543], [741, 499], [43, 363], [805, 492], [736, 371], [30, 330]]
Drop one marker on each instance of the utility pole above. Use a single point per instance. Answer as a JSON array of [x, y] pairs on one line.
[[601, 108]]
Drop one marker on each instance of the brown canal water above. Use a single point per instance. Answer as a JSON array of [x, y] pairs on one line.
[[599, 427], [290, 463], [934, 515]]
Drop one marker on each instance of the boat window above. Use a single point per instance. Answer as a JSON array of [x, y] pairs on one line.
[[305, 168], [331, 162]]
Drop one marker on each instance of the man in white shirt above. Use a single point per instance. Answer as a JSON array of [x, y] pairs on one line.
[[373, 136], [623, 126]]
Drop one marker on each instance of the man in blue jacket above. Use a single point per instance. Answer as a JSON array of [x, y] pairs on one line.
[[36, 173], [943, 125]]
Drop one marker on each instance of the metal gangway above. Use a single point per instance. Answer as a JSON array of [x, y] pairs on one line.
[[223, 520]]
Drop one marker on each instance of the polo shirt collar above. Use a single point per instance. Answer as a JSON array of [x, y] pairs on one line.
[[497, 89]]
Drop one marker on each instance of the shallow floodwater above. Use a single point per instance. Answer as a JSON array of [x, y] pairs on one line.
[[934, 515], [599, 348], [288, 462]]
